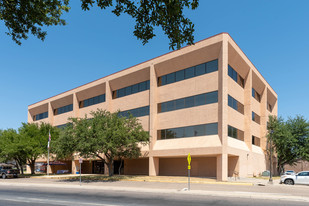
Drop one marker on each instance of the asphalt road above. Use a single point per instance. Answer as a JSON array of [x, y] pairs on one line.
[[35, 196]]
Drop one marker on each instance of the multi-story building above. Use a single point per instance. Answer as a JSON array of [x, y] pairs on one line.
[[206, 99]]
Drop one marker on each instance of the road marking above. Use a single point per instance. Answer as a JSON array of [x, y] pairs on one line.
[[52, 201]]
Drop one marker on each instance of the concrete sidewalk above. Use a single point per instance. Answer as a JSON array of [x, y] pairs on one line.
[[168, 179]]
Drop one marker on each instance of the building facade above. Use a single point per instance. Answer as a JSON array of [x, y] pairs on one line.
[[206, 99]]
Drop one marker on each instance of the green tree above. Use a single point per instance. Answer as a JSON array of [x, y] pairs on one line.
[[11, 148], [34, 138], [289, 140], [24, 16], [106, 136], [299, 129]]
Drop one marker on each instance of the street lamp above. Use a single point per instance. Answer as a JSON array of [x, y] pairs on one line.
[[270, 159]]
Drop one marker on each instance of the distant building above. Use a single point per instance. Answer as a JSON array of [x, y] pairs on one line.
[[207, 99], [302, 165]]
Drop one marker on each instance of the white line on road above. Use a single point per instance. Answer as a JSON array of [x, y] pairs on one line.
[[51, 202]]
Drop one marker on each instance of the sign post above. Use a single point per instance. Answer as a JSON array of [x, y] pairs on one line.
[[189, 168], [80, 171]]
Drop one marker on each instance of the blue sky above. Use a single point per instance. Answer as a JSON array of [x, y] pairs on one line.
[[273, 34]]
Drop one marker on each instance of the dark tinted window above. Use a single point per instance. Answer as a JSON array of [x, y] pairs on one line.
[[92, 101], [180, 75], [63, 109], [212, 129], [137, 112], [170, 106], [235, 76], [132, 89], [235, 104], [189, 102], [179, 103], [200, 69], [170, 78], [212, 66], [188, 73], [40, 116], [235, 133], [211, 97], [201, 99], [199, 130], [142, 86], [191, 131]]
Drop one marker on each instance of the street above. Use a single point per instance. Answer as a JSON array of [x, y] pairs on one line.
[[13, 195], [63, 192]]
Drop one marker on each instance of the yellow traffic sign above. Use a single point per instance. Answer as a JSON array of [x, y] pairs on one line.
[[189, 159]]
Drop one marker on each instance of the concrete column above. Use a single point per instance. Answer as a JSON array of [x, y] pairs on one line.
[[50, 114], [153, 166], [153, 162], [30, 118], [222, 160], [74, 166], [248, 110], [222, 167], [75, 105], [108, 96], [263, 119]]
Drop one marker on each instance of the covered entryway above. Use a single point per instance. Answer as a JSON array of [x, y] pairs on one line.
[[136, 166], [200, 166], [98, 167]]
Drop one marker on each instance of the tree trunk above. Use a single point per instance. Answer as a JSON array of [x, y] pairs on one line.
[[119, 170], [32, 166], [110, 168], [20, 165]]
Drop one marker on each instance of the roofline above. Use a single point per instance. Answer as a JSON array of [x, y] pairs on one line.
[[251, 62], [151, 60]]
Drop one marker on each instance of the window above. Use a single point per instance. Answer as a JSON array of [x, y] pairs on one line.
[[256, 95], [255, 140], [142, 86], [235, 133], [190, 131], [235, 76], [188, 102], [255, 118], [92, 101], [235, 104], [188, 73], [269, 107], [137, 112], [63, 109], [40, 116]]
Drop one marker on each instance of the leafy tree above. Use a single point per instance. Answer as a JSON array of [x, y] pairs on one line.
[[106, 136], [11, 148], [24, 16], [299, 129], [34, 138], [290, 140]]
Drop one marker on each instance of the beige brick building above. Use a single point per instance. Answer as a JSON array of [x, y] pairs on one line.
[[207, 99]]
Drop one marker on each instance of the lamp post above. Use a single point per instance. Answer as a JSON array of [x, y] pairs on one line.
[[270, 159]]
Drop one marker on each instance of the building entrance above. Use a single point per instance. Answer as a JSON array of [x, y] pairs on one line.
[[98, 167]]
